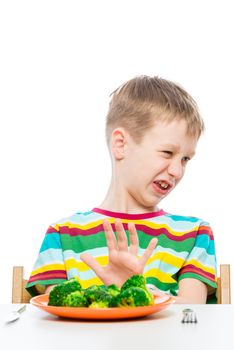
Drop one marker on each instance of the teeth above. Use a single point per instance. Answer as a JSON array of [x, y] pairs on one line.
[[163, 184]]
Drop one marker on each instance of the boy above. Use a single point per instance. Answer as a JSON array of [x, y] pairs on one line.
[[152, 130]]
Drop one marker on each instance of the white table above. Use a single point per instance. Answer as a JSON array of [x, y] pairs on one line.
[[37, 329]]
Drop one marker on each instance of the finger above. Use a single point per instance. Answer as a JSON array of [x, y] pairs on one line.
[[111, 241], [134, 242], [121, 235], [92, 263], [148, 252]]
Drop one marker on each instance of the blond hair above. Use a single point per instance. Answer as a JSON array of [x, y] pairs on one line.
[[141, 101]]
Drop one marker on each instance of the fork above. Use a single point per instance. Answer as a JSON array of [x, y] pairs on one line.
[[189, 316], [15, 314]]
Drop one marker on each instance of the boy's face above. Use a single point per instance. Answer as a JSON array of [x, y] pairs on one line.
[[149, 171]]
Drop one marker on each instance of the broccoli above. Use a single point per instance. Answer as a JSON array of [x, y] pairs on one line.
[[76, 299], [91, 292], [132, 293], [113, 290], [97, 296], [58, 293], [134, 281], [133, 296], [103, 301]]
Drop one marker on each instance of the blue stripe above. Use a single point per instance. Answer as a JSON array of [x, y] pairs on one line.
[[177, 226], [200, 255], [51, 240], [182, 218], [203, 241], [49, 256]]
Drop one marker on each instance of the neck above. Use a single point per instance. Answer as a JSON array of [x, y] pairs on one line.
[[119, 200]]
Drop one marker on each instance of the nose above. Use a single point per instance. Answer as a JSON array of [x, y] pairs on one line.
[[176, 169]]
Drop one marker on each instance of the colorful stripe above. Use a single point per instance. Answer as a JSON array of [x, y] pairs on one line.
[[185, 249]]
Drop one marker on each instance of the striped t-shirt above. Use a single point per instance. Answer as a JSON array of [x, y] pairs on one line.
[[185, 249]]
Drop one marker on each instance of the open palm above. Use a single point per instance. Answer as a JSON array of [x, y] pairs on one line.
[[123, 260]]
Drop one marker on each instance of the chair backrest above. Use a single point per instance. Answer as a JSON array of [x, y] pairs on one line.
[[224, 285], [20, 295]]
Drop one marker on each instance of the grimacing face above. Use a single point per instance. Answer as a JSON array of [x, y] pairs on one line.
[[151, 170]]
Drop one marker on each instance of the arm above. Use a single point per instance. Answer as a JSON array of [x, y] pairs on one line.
[[197, 277], [50, 261], [191, 291], [49, 288]]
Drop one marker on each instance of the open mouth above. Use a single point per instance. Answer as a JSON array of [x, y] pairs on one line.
[[162, 186]]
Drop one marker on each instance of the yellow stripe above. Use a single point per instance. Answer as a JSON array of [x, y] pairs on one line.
[[71, 263], [90, 282], [49, 267], [164, 278], [81, 227], [166, 258], [161, 276], [200, 266], [160, 226], [149, 224]]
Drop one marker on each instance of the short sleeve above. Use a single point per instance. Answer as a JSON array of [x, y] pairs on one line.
[[201, 262], [49, 267]]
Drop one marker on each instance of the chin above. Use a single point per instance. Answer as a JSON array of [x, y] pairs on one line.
[[150, 205]]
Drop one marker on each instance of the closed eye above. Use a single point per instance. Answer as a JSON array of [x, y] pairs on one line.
[[168, 152], [185, 159]]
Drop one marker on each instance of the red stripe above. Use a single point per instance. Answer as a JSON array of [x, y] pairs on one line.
[[194, 269], [51, 229], [48, 275], [206, 230], [163, 231], [74, 231], [129, 216]]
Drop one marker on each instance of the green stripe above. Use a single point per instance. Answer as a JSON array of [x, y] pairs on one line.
[[178, 246], [198, 277], [32, 286], [172, 287], [80, 243]]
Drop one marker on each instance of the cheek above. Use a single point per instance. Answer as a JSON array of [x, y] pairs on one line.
[[181, 177]]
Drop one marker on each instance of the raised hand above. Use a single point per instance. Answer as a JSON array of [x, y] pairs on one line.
[[123, 260]]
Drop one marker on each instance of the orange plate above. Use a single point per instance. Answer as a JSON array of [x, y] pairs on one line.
[[160, 303]]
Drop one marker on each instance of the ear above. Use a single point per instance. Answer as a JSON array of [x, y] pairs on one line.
[[118, 143]]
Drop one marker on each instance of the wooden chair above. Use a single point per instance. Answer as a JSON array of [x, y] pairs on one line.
[[20, 295], [224, 285]]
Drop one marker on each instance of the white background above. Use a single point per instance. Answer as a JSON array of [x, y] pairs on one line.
[[59, 62]]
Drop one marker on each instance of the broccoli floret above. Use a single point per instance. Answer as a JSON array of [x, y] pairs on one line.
[[58, 293], [133, 293], [97, 296], [103, 287], [76, 299], [115, 301], [133, 296], [134, 281], [92, 292], [103, 302], [113, 290]]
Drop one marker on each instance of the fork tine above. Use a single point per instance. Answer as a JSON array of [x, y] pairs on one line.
[[185, 317], [193, 318], [189, 316]]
